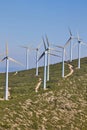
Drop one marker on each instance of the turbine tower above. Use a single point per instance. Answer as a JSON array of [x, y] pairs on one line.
[[45, 64]]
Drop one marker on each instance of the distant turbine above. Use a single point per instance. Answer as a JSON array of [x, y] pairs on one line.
[[27, 53], [70, 46], [7, 58], [70, 39], [63, 53], [79, 43], [79, 46], [63, 57], [79, 49], [48, 58]]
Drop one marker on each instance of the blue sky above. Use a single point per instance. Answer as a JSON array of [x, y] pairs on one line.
[[24, 22]]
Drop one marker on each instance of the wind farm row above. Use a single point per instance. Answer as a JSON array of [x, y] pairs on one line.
[[55, 50], [58, 48]]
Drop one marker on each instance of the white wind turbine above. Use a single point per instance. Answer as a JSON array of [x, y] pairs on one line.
[[27, 53], [63, 57], [70, 39], [7, 58], [70, 46], [48, 48], [80, 42], [79, 45], [45, 53], [64, 52]]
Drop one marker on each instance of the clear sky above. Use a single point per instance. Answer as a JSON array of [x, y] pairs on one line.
[[24, 22]]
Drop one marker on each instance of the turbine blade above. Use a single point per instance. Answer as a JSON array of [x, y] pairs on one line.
[[54, 50], [44, 43], [6, 49], [29, 48], [24, 47], [13, 60], [78, 36], [47, 41], [70, 32], [41, 56], [54, 55], [75, 45], [65, 53], [3, 59], [85, 44], [68, 42], [58, 46]]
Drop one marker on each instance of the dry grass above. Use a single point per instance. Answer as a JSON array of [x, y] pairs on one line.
[[63, 106]]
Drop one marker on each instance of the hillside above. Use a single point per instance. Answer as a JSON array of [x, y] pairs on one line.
[[63, 106]]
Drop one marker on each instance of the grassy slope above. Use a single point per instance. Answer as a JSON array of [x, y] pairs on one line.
[[63, 106]]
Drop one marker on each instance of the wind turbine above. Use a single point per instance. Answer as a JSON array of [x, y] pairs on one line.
[[46, 63], [27, 53], [79, 49], [49, 49], [48, 57], [70, 39], [7, 58], [63, 57], [70, 45], [63, 52]]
